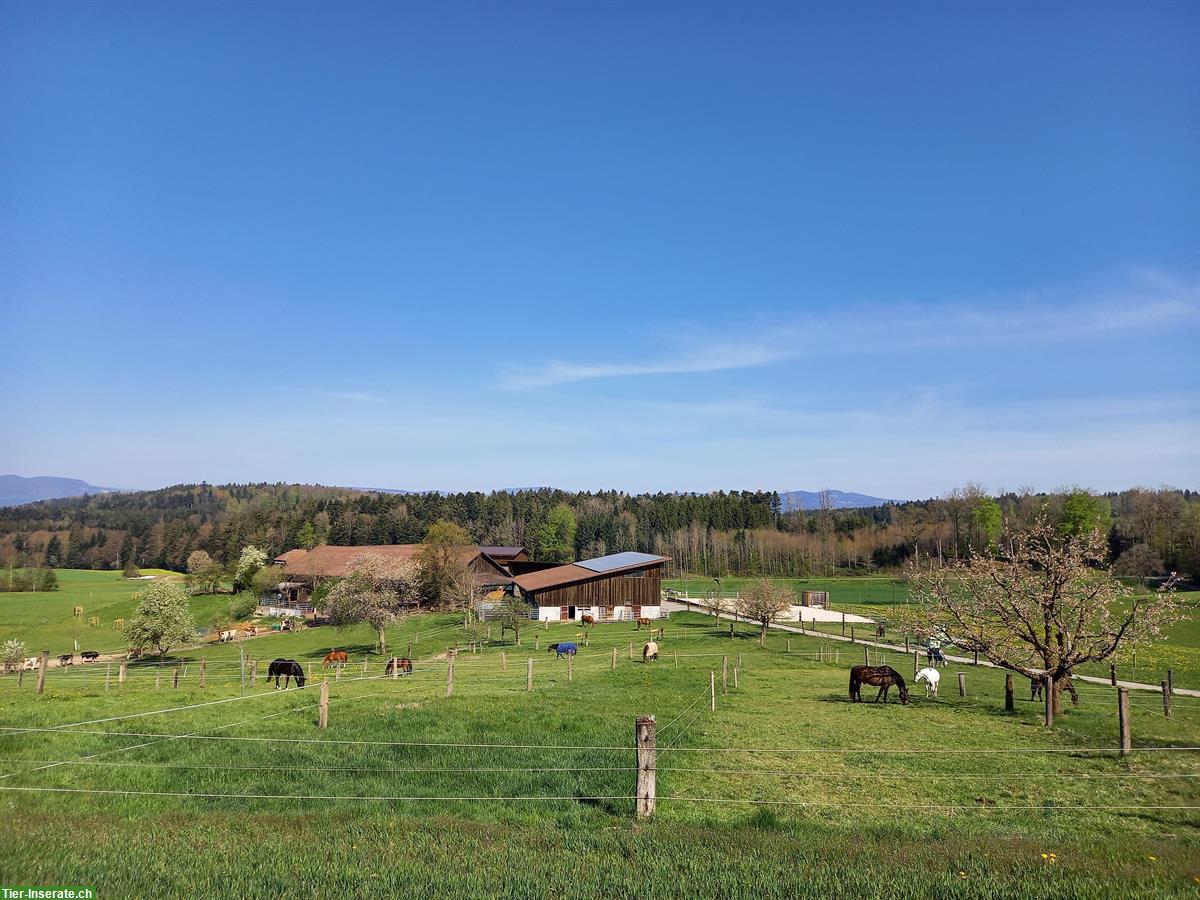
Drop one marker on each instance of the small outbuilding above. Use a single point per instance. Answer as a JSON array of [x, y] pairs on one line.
[[620, 586]]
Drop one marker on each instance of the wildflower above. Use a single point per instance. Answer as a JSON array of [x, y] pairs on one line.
[[962, 874]]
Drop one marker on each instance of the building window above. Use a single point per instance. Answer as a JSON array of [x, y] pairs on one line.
[[637, 574]]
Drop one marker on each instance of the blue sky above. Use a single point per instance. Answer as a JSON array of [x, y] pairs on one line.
[[877, 247]]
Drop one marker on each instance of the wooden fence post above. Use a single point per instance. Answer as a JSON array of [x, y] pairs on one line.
[[724, 674], [739, 661], [122, 671], [1008, 693], [529, 676], [614, 659], [503, 661], [157, 677], [204, 672], [735, 678], [852, 638], [570, 668], [107, 676], [645, 739], [1170, 681], [789, 645], [323, 705], [21, 676], [253, 672], [450, 677], [1112, 673], [962, 684], [866, 655], [537, 642], [916, 663], [1048, 689], [712, 691], [1123, 720], [175, 678], [396, 668], [42, 671], [906, 643], [843, 624], [1166, 692], [676, 653]]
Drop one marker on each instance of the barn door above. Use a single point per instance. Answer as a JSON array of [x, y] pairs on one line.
[[637, 611], [564, 613]]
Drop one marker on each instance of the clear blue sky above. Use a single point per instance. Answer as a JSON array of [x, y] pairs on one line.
[[679, 246]]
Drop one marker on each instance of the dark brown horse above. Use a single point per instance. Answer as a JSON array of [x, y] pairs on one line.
[[882, 677], [587, 619], [401, 666], [1035, 690]]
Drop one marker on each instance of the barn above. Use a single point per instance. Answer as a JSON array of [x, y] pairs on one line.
[[609, 588]]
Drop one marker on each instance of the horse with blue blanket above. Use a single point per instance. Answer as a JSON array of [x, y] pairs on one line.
[[566, 648]]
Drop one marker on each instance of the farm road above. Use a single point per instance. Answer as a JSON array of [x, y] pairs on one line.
[[685, 606]]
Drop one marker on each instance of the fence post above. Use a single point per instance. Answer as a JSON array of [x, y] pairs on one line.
[[157, 678], [242, 664], [739, 660], [1166, 692], [843, 624], [323, 705], [1112, 673], [107, 676], [570, 670], [789, 645], [21, 676], [42, 671], [614, 659], [175, 678], [1048, 689], [712, 691], [529, 676], [735, 680], [645, 739], [396, 667], [503, 661], [1008, 693], [676, 652], [916, 664], [906, 643], [1170, 681], [852, 638], [204, 672], [724, 674], [450, 677], [121, 671], [1123, 720], [866, 655], [976, 662], [537, 642], [962, 684], [253, 672]]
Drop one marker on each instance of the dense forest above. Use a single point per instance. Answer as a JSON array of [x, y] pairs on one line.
[[738, 532]]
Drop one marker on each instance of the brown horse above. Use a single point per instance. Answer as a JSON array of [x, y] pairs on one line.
[[587, 619], [642, 620], [1035, 690], [403, 666], [335, 658], [882, 677]]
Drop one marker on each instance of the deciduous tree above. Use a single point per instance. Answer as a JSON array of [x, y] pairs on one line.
[[378, 590], [764, 602], [162, 619]]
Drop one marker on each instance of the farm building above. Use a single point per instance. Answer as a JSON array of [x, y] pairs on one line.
[[609, 588], [304, 569]]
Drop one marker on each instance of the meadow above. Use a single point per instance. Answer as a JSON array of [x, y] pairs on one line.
[[787, 789]]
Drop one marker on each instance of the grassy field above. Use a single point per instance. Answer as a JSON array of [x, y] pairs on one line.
[[788, 789]]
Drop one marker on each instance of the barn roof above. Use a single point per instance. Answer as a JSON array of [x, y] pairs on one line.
[[290, 556], [503, 552], [328, 561], [572, 573]]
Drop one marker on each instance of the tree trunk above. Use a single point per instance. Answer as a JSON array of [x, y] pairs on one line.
[[762, 635], [1057, 689], [382, 643]]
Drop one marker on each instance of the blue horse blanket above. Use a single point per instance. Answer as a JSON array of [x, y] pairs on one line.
[[564, 649]]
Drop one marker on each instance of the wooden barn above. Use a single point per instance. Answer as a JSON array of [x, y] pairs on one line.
[[609, 588]]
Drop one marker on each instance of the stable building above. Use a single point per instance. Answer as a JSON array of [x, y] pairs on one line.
[[620, 586]]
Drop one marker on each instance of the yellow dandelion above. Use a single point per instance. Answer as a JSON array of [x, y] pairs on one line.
[[962, 874], [1152, 858], [1045, 856]]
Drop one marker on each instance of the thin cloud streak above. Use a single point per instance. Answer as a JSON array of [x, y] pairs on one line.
[[1150, 301]]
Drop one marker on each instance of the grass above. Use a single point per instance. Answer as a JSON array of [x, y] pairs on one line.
[[859, 811]]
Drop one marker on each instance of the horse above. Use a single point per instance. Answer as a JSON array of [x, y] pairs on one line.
[[931, 677], [882, 677], [89, 655], [288, 668], [934, 656], [587, 619], [402, 665], [335, 658], [642, 620], [1035, 690], [650, 651], [565, 648]]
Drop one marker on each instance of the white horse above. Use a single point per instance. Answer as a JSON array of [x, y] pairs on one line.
[[931, 677]]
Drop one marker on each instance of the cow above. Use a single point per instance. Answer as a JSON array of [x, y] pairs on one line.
[[402, 666], [288, 669], [89, 655], [31, 663], [564, 648], [226, 636], [67, 659]]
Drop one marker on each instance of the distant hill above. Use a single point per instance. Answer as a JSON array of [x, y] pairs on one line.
[[15, 490], [794, 500]]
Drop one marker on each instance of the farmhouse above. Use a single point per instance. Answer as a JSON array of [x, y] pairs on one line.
[[304, 569], [618, 586]]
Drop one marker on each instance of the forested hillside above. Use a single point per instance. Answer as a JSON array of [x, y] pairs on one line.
[[746, 532]]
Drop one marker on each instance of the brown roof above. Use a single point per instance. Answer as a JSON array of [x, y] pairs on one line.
[[572, 574], [334, 562], [290, 556], [503, 552]]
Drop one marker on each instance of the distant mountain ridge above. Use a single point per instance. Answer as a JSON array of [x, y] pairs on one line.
[[16, 490], [794, 500]]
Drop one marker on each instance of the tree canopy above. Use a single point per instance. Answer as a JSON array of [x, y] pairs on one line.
[[162, 619]]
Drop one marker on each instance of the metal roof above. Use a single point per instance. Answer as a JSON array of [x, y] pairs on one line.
[[573, 573], [619, 561]]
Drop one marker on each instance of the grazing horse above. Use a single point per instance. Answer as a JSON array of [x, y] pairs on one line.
[[642, 620], [566, 648], [934, 656], [1035, 690], [67, 659], [335, 658], [587, 619], [650, 651], [930, 677], [288, 668], [89, 655], [403, 666], [882, 677]]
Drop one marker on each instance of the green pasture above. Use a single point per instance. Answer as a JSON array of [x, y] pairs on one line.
[[787, 789]]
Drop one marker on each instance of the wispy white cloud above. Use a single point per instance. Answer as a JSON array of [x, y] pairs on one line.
[[1142, 300]]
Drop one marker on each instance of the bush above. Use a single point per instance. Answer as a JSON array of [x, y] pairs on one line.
[[242, 605], [162, 619], [12, 653]]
